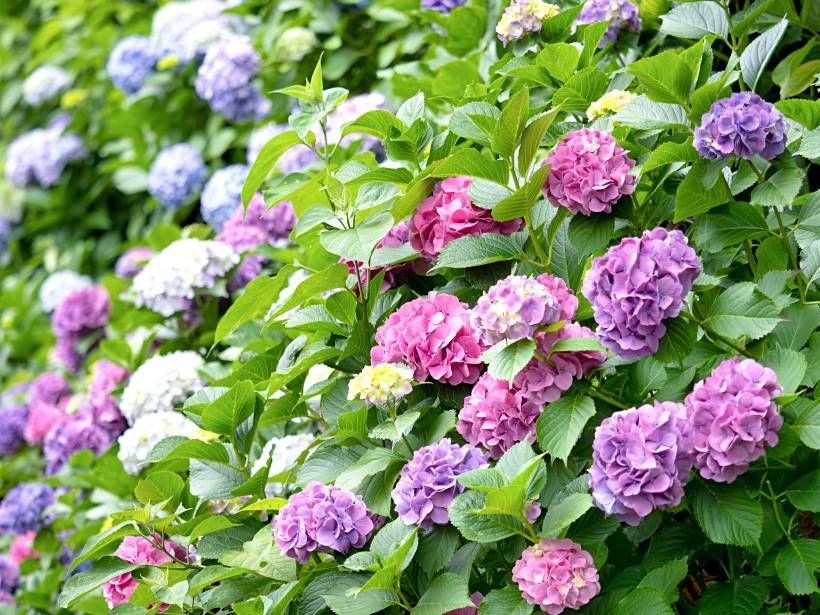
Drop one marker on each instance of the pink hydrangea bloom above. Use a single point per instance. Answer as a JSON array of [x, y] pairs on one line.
[[41, 418], [433, 335], [556, 575], [449, 214], [567, 300], [590, 172], [22, 547], [118, 590], [732, 417]]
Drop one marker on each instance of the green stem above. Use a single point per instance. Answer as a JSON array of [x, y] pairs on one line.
[[539, 249], [784, 236], [747, 247], [608, 397], [717, 337], [773, 499]]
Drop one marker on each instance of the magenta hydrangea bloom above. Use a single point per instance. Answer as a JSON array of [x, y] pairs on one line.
[[566, 298], [428, 484], [640, 461], [132, 261], [589, 173], [322, 518], [636, 285], [496, 416], [105, 376], [623, 15], [81, 312], [556, 575], [449, 214], [514, 308], [744, 125], [433, 335], [733, 417]]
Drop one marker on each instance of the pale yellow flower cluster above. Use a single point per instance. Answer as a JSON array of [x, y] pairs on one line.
[[611, 102], [379, 383]]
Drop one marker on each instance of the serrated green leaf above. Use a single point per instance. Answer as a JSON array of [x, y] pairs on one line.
[[696, 20], [757, 54], [742, 311], [797, 564], [560, 425], [726, 514]]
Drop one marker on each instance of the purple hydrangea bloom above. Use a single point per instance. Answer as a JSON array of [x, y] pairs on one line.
[[322, 518], [132, 261], [428, 484], [81, 312], [12, 426], [130, 63], [5, 234], [640, 461], [622, 13], [183, 30], [224, 80], [295, 160], [522, 17], [40, 155], [49, 389], [442, 6], [636, 285], [176, 175], [514, 308], [744, 125], [222, 195], [733, 417], [22, 509], [9, 577]]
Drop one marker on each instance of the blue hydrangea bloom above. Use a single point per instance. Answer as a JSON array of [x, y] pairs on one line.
[[22, 509], [176, 175], [222, 195], [40, 155], [130, 63], [442, 6]]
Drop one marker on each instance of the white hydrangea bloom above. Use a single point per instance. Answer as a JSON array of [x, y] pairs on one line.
[[295, 44], [282, 453], [137, 442], [160, 383], [169, 281], [58, 285], [44, 84]]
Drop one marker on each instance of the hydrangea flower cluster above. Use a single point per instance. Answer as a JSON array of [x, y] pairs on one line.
[[448, 214], [589, 172], [640, 461], [182, 31], [132, 261], [295, 43], [733, 417], [295, 160], [5, 234], [611, 102], [282, 453], [432, 335], [22, 509], [9, 579], [137, 442], [637, 284], [556, 575], [224, 80], [160, 383], [621, 14], [79, 315], [380, 383], [22, 548], [139, 550], [427, 483], [522, 17], [58, 285], [44, 84], [322, 518], [744, 125], [514, 308], [222, 195], [442, 6], [170, 281], [176, 175], [130, 63], [40, 155], [13, 420], [48, 397]]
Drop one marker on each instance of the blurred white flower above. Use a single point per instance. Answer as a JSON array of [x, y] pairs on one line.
[[160, 383]]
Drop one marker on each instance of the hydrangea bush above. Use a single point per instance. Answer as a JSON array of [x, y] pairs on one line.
[[439, 307]]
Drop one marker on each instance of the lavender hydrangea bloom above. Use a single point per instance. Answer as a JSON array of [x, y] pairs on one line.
[[9, 577], [130, 63], [40, 155], [636, 285], [514, 308], [442, 6], [744, 125], [81, 312], [622, 13], [49, 389], [322, 518], [222, 195], [132, 261], [640, 461], [22, 509], [182, 30], [295, 160], [5, 234], [428, 484], [733, 417], [12, 425], [224, 80], [58, 285], [522, 17], [176, 175], [44, 84]]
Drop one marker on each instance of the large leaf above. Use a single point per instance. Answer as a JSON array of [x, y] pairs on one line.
[[446, 593], [756, 56], [80, 584], [506, 601], [738, 597], [804, 493], [582, 89], [359, 242], [726, 514], [561, 515], [694, 197], [696, 20], [265, 161], [742, 311], [507, 358], [646, 114], [473, 251], [797, 565], [561, 424], [665, 77], [511, 123]]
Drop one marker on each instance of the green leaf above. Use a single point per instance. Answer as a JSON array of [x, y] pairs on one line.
[[511, 124], [391, 567], [477, 527], [230, 409], [265, 161], [463, 123], [591, 233], [741, 596], [326, 464], [470, 162], [130, 179], [378, 123], [804, 493], [520, 203], [757, 54], [560, 425], [726, 514], [807, 422], [643, 601], [374, 460], [560, 60], [507, 358], [693, 197], [729, 225], [645, 114], [696, 20], [213, 481], [797, 565], [473, 251], [780, 189], [575, 344], [506, 601], [446, 593], [581, 90], [253, 303], [810, 145], [789, 365], [262, 556], [667, 578], [159, 487], [805, 112], [742, 311], [359, 242], [562, 514], [80, 584], [532, 137], [332, 277], [665, 77], [669, 152]]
